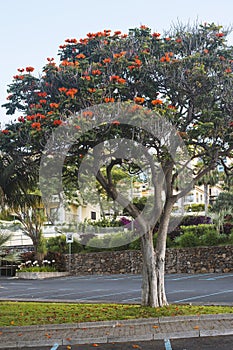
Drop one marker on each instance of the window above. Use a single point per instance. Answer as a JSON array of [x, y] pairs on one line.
[[93, 215]]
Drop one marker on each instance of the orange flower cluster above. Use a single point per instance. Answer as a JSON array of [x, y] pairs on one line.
[[5, 131], [96, 72], [107, 60], [29, 69], [62, 89], [66, 63], [116, 122], [18, 77], [156, 35], [137, 64], [71, 92], [80, 56], [35, 116], [36, 126], [167, 56], [139, 100], [119, 55], [87, 77], [54, 105], [117, 79], [87, 114], [42, 94], [228, 70], [62, 46], [91, 90], [71, 41], [83, 41], [109, 99], [42, 101], [57, 122], [156, 102], [35, 106], [219, 35]]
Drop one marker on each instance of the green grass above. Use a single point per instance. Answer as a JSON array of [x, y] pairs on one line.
[[32, 313]]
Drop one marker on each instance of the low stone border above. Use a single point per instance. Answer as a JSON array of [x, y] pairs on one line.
[[40, 275]]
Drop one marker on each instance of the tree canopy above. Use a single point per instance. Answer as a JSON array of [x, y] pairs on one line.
[[182, 78]]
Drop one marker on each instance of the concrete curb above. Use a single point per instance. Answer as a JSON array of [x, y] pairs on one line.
[[117, 331]]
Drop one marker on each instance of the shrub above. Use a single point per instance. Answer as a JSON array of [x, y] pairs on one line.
[[135, 245], [210, 238], [58, 244], [195, 207], [198, 230], [188, 239]]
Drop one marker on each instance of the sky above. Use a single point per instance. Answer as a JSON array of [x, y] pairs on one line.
[[31, 31]]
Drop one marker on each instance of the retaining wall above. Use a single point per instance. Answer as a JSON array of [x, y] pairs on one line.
[[184, 260]]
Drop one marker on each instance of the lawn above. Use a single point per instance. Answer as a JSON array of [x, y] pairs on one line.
[[33, 313]]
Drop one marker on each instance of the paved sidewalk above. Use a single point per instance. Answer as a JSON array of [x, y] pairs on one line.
[[117, 331]]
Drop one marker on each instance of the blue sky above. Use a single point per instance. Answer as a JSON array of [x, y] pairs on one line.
[[31, 31]]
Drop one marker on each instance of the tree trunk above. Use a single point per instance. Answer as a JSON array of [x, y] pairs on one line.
[[149, 278], [206, 198], [161, 252]]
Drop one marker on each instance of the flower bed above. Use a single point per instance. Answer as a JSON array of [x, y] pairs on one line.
[[40, 275]]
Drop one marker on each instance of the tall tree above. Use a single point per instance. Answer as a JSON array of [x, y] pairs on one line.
[[183, 77]]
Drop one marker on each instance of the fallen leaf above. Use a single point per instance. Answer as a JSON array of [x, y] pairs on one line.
[[196, 327], [135, 346], [0, 333], [12, 322], [155, 327], [68, 347], [20, 334], [69, 339], [95, 345]]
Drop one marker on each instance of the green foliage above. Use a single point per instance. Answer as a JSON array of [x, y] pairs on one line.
[[201, 235], [105, 222], [114, 241], [188, 239], [58, 244], [198, 230], [195, 207], [223, 202], [38, 269], [211, 239], [37, 313]]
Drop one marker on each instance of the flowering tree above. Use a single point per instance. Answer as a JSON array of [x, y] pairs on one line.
[[184, 76]]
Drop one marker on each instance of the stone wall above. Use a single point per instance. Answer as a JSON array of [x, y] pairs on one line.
[[184, 260]]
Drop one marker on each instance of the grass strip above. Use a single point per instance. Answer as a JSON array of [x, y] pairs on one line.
[[33, 313]]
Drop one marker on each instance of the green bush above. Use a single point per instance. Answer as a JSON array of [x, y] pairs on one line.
[[38, 269], [135, 245], [188, 239], [209, 239], [195, 207], [58, 244], [198, 230]]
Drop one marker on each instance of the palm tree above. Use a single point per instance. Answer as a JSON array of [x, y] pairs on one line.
[[208, 180], [18, 178]]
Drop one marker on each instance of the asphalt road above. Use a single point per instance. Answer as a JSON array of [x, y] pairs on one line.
[[180, 288], [206, 343]]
